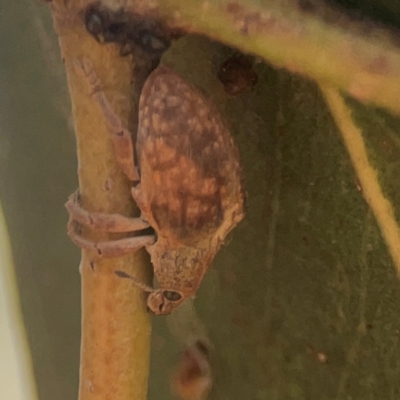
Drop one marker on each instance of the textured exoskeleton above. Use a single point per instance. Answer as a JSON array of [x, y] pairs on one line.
[[190, 188]]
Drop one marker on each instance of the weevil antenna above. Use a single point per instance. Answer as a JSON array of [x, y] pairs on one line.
[[141, 285]]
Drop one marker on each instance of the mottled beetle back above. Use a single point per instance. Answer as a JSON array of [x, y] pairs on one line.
[[189, 165]]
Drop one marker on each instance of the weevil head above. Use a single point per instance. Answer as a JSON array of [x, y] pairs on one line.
[[178, 271], [163, 301]]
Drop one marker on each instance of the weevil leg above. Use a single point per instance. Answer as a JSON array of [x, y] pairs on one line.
[[103, 222], [106, 223], [121, 137], [111, 248]]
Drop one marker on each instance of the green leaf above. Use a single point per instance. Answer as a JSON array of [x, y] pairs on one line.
[[303, 302]]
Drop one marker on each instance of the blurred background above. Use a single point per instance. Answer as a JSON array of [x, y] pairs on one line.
[[37, 171], [16, 373]]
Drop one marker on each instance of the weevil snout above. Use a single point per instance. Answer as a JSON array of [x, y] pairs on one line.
[[162, 302]]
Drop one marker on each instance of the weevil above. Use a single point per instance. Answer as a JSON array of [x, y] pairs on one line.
[[186, 180]]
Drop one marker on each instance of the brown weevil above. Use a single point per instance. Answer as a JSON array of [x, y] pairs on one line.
[[187, 184]]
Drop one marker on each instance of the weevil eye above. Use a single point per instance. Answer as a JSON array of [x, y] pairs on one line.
[[162, 302], [171, 295]]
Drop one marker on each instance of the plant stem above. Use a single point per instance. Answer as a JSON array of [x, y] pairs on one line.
[[360, 57], [116, 328]]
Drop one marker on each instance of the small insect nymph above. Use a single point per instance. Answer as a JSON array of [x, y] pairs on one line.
[[237, 75], [187, 184]]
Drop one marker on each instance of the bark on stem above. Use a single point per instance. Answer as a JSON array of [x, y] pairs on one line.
[[116, 328], [309, 38]]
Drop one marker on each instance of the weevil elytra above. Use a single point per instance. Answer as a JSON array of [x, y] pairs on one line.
[[187, 184]]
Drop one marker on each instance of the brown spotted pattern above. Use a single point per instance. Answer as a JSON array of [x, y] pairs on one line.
[[189, 165]]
